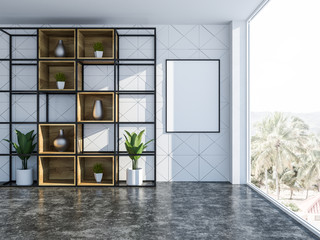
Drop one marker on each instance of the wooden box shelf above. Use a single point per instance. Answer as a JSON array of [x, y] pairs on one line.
[[85, 170], [57, 171], [88, 37], [49, 38], [48, 70], [47, 134], [86, 102]]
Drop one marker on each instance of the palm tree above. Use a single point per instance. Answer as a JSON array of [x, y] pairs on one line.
[[261, 158], [290, 178], [278, 142], [310, 170]]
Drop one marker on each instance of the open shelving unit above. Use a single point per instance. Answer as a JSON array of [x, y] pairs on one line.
[[73, 167]]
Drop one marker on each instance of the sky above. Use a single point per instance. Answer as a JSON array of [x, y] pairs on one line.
[[285, 57]]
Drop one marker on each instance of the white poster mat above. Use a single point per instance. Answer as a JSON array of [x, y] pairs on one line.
[[193, 96]]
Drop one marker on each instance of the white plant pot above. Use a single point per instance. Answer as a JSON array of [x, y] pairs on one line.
[[134, 177], [98, 177], [98, 54], [24, 177], [60, 84]]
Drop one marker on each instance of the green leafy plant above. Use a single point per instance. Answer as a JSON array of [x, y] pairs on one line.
[[97, 168], [98, 46], [25, 147], [135, 147], [60, 77]]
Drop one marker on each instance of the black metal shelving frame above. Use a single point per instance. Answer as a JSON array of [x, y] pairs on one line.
[[116, 62]]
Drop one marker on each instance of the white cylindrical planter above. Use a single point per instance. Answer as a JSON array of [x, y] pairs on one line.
[[24, 177], [98, 177], [134, 177], [98, 54], [60, 84]]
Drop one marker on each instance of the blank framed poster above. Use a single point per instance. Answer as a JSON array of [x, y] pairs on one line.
[[193, 96]]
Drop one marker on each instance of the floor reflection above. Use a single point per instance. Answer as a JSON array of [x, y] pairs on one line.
[[169, 211]]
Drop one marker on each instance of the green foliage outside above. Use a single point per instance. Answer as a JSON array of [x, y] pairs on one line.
[[284, 152]]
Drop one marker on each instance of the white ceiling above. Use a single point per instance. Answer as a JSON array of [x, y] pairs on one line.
[[125, 11]]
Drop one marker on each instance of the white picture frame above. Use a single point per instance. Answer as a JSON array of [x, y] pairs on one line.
[[193, 96]]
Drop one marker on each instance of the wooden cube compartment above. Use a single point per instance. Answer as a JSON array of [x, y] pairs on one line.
[[88, 37], [48, 41], [48, 70], [57, 171], [47, 134], [85, 170], [86, 102]]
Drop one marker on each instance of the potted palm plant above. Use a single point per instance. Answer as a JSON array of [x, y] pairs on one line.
[[98, 172], [24, 148], [98, 50], [135, 147], [61, 80]]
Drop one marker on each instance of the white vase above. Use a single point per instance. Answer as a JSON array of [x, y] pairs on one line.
[[24, 177], [60, 84], [98, 177], [98, 54], [60, 51], [134, 177], [97, 112]]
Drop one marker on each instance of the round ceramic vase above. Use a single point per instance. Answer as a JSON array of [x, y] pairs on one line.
[[60, 143]]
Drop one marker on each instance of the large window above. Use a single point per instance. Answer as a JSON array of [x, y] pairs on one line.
[[285, 104]]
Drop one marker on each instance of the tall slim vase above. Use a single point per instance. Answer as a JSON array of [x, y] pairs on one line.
[[97, 110], [60, 51]]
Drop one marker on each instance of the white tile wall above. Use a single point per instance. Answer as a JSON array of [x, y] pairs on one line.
[[62, 108], [24, 77], [98, 77], [98, 137], [193, 157], [180, 157], [136, 108], [136, 78]]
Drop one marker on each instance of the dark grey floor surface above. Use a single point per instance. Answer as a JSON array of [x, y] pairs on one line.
[[169, 211]]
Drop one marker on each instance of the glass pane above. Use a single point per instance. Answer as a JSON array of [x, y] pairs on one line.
[[285, 105]]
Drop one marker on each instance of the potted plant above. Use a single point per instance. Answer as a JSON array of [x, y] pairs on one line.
[[98, 172], [25, 146], [98, 50], [61, 80], [135, 147]]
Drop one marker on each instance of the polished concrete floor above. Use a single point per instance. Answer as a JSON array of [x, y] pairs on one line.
[[169, 211]]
